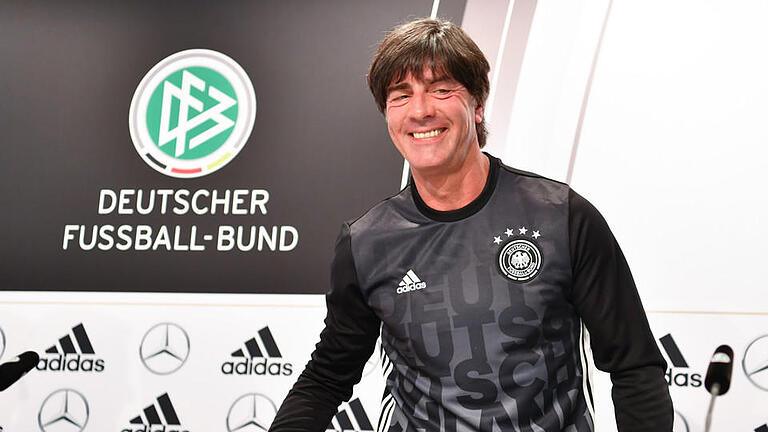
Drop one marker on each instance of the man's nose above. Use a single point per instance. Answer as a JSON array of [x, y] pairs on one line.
[[421, 106]]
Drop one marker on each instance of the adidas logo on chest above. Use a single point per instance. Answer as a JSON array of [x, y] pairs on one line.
[[410, 282]]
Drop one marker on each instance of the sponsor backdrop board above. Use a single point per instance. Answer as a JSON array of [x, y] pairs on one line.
[[688, 354], [196, 362], [120, 360]]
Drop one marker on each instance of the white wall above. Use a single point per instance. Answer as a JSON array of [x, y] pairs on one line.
[[655, 111]]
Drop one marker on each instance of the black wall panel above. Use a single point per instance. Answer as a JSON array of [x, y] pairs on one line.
[[318, 145]]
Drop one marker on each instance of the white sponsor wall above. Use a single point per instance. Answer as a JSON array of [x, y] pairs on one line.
[[654, 111], [144, 346]]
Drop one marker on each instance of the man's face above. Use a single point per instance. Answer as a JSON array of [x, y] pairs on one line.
[[432, 121]]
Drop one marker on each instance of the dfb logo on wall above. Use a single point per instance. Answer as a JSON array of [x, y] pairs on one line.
[[192, 113], [64, 410], [70, 355], [251, 412], [349, 413], [149, 420], [260, 357], [755, 362], [164, 348], [674, 376]]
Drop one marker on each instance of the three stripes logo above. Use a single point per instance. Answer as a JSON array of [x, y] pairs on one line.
[[150, 421], [71, 355], [675, 356], [351, 417], [259, 355], [410, 282]]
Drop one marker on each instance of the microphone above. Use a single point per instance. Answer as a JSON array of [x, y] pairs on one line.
[[718, 379], [12, 371]]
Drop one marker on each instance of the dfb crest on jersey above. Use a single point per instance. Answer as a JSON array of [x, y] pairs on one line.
[[519, 259]]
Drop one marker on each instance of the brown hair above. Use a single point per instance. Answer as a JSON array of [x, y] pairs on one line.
[[436, 43]]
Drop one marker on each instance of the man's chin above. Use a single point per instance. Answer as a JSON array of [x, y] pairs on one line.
[[427, 164]]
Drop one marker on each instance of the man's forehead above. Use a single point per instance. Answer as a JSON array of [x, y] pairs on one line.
[[428, 75]]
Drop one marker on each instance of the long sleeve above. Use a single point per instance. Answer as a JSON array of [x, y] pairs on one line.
[[605, 296], [346, 343]]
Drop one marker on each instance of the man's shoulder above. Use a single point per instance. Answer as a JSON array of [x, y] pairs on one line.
[[528, 174], [535, 186], [388, 213]]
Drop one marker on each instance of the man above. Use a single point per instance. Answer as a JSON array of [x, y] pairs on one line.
[[480, 277]]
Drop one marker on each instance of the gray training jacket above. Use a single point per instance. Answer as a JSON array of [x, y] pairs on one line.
[[482, 312]]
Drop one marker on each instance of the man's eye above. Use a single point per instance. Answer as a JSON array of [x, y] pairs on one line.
[[397, 98], [442, 91]]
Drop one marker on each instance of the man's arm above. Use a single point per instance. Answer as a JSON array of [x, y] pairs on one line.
[[605, 296], [346, 343]]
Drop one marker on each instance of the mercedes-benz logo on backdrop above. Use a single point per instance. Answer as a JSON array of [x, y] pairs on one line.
[[64, 410], [2, 342], [680, 424], [164, 348], [251, 412], [755, 362]]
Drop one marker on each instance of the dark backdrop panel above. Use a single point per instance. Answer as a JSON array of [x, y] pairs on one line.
[[319, 146]]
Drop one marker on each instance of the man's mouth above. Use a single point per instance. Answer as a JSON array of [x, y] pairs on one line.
[[429, 134]]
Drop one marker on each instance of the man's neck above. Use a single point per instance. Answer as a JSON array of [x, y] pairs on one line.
[[453, 190]]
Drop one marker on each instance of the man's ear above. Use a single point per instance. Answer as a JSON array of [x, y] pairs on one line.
[[479, 113]]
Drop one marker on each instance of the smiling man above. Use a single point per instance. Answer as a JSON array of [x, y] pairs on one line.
[[485, 282], [431, 120]]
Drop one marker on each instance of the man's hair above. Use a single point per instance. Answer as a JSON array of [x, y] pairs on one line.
[[438, 44]]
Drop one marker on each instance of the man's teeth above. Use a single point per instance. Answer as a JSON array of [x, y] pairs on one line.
[[429, 134]]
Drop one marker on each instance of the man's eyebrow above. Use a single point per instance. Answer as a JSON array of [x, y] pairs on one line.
[[400, 86], [405, 85]]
